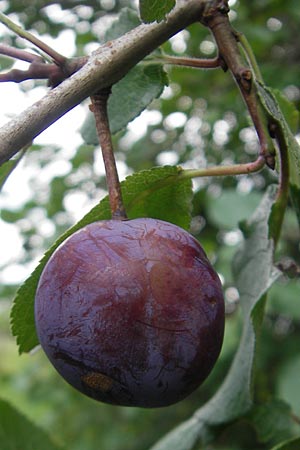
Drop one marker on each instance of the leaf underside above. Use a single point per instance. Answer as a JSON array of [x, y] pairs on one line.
[[254, 273], [19, 433], [274, 103]]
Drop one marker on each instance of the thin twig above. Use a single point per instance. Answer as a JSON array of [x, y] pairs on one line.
[[227, 42], [17, 53], [106, 66], [57, 57], [38, 68], [36, 71], [99, 108]]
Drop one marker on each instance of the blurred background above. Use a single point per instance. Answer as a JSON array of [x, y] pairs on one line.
[[199, 120]]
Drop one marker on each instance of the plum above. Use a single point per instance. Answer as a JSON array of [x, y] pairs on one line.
[[131, 312]]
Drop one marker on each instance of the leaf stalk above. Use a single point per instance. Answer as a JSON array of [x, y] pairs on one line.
[[216, 171]]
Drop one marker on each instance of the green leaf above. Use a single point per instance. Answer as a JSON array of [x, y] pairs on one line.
[[231, 207], [272, 421], [288, 110], [254, 274], [295, 198], [288, 383], [184, 437], [84, 154], [57, 191], [126, 21], [276, 218], [8, 167], [129, 97], [19, 433], [5, 170], [285, 300], [133, 93], [157, 193], [88, 131], [271, 101], [292, 444], [155, 10]]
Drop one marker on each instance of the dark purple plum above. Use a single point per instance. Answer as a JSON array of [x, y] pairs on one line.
[[131, 312]]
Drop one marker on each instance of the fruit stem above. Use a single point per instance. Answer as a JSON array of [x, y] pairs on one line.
[[99, 108]]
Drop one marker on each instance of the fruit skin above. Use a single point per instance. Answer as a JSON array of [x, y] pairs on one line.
[[131, 312]]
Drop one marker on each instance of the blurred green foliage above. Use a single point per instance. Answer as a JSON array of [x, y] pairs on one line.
[[211, 127]]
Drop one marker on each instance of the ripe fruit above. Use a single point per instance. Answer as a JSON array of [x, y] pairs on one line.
[[131, 312]]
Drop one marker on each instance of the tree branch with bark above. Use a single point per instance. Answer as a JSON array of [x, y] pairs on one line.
[[107, 65], [76, 79]]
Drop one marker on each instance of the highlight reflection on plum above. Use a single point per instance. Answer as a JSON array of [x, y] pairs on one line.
[[131, 312]]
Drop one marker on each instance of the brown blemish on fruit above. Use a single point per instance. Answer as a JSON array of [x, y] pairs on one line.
[[99, 381]]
